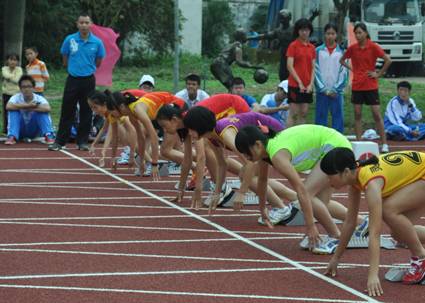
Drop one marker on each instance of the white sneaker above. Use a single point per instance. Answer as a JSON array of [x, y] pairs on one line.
[[277, 215], [327, 246], [226, 194], [385, 149], [362, 230], [304, 243], [174, 168]]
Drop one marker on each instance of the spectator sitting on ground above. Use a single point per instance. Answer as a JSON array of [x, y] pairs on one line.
[[192, 94], [399, 111], [28, 114], [147, 83], [276, 104], [238, 88]]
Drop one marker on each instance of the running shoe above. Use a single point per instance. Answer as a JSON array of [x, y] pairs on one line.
[[226, 194], [55, 147], [174, 168], [362, 230], [277, 215], [327, 246], [416, 272], [49, 138]]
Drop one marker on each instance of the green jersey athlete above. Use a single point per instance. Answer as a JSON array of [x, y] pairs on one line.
[[295, 150]]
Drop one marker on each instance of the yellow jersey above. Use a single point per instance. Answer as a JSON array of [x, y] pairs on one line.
[[397, 169], [154, 101]]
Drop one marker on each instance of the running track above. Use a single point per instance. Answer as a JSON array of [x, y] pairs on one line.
[[72, 232]]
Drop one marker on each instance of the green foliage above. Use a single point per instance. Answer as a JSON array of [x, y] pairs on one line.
[[48, 22], [258, 18], [217, 23]]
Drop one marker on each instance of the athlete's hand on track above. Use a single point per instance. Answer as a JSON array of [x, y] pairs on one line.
[[155, 172], [265, 217], [213, 203], [313, 236], [102, 162], [114, 164], [238, 201], [374, 288], [332, 267], [178, 198], [196, 199]]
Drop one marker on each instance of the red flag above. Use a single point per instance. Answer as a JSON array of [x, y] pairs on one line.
[[109, 37]]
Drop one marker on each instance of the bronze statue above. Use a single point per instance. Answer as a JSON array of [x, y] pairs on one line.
[[281, 37], [221, 66]]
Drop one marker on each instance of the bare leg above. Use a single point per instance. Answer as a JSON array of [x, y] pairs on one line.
[[302, 114], [358, 121], [316, 183], [379, 123], [403, 207]]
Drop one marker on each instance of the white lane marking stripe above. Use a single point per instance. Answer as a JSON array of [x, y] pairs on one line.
[[119, 217], [230, 233], [141, 241], [115, 254], [175, 293]]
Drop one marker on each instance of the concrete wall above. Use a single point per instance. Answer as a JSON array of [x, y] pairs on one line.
[[191, 32]]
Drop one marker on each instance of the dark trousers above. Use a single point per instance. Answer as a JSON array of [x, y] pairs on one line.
[[76, 91], [5, 100]]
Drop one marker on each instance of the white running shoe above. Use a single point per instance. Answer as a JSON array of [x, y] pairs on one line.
[[385, 149], [362, 230], [327, 246], [277, 215], [226, 194]]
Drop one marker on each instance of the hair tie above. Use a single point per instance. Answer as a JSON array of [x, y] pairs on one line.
[[264, 129]]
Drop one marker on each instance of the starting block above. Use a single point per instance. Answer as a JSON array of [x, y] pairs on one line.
[[365, 149], [356, 242], [297, 216]]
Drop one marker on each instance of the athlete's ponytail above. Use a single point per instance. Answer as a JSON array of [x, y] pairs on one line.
[[340, 158], [248, 135]]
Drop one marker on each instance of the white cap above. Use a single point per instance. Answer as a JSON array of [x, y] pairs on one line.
[[147, 78], [284, 85]]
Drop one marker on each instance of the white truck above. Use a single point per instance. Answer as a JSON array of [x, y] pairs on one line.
[[396, 25]]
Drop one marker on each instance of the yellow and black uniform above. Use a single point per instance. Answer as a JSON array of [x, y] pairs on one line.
[[397, 169], [111, 119]]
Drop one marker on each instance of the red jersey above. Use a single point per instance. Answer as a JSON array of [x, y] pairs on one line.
[[363, 60], [135, 92], [224, 105], [303, 54]]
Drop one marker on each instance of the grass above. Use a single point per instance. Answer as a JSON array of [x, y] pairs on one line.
[[128, 77]]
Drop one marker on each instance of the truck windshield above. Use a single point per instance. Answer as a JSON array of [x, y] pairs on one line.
[[391, 11]]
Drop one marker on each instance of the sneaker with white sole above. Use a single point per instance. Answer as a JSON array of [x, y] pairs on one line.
[[362, 230], [327, 246], [226, 194], [174, 168], [385, 149], [277, 215]]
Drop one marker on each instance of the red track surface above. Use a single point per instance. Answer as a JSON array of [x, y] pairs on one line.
[[71, 233]]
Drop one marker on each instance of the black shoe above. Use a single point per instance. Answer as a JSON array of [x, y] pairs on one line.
[[55, 147], [83, 147]]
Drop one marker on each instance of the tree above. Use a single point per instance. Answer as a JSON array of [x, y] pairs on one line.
[[217, 24], [342, 7], [13, 29]]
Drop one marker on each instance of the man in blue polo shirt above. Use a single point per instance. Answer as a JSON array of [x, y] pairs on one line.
[[82, 52]]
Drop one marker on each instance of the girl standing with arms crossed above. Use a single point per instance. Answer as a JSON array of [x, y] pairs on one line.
[[301, 59], [363, 55], [394, 188]]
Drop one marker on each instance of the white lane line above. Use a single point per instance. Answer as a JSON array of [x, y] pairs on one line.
[[80, 243], [72, 187], [231, 233], [120, 217], [34, 158], [144, 241], [176, 293], [149, 273], [25, 201], [115, 254]]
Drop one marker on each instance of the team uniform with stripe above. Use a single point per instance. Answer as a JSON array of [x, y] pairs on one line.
[[154, 101], [307, 144], [397, 169], [38, 71]]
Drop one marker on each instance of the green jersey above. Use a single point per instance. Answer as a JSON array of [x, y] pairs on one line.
[[307, 144]]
